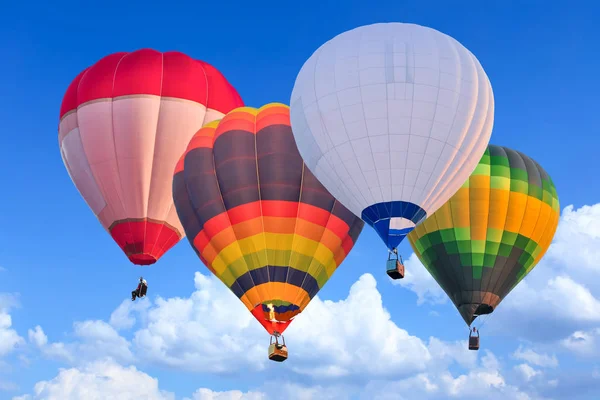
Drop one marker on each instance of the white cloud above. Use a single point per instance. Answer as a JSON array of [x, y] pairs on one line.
[[526, 371], [99, 380], [2, 269], [211, 331], [562, 294], [419, 280], [37, 336], [207, 394], [9, 338], [584, 343], [576, 241], [354, 336], [483, 381], [105, 379], [342, 349], [538, 359], [94, 339], [124, 316]]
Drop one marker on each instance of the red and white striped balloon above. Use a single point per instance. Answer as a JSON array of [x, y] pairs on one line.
[[124, 123]]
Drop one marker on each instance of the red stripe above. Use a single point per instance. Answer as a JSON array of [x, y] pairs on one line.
[[147, 71], [280, 208], [273, 208], [270, 326], [144, 242], [70, 99], [244, 212], [97, 83], [201, 241], [347, 245], [184, 78], [139, 72], [180, 164], [222, 96]]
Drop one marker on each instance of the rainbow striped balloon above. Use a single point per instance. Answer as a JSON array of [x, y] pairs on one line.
[[257, 217]]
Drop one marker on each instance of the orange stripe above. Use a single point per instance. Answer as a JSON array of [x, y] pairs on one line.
[[237, 119], [201, 141], [207, 131], [275, 212], [272, 116], [275, 290]]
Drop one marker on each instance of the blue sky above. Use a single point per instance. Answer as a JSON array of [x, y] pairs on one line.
[[62, 268]]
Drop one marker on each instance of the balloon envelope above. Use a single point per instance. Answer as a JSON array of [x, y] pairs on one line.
[[392, 118], [257, 217], [124, 123], [491, 233]]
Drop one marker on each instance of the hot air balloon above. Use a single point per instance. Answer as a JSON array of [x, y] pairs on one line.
[[124, 122], [258, 218], [491, 233], [392, 118]]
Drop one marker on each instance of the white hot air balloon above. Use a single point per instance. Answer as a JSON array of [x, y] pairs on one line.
[[392, 118]]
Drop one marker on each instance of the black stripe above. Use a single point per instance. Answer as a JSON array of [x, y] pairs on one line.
[[274, 273], [279, 164], [235, 167]]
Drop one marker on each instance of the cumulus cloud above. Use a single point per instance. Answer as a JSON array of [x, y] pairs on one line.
[[584, 343], [354, 336], [484, 380], [105, 379], [349, 348], [576, 241], [527, 371], [538, 359], [207, 394], [419, 280], [100, 380], [562, 294], [211, 331], [9, 338], [94, 339]]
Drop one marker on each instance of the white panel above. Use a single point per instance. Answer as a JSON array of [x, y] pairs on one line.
[[134, 131], [391, 112], [178, 121], [79, 169], [401, 223]]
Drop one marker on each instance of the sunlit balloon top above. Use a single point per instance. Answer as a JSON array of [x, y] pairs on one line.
[[392, 117]]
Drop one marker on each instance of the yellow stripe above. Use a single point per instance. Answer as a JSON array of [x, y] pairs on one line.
[[270, 241]]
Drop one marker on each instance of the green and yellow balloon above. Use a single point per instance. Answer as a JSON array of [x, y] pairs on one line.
[[491, 233]]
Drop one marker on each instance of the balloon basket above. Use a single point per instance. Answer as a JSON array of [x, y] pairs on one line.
[[395, 267], [278, 351], [474, 342]]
